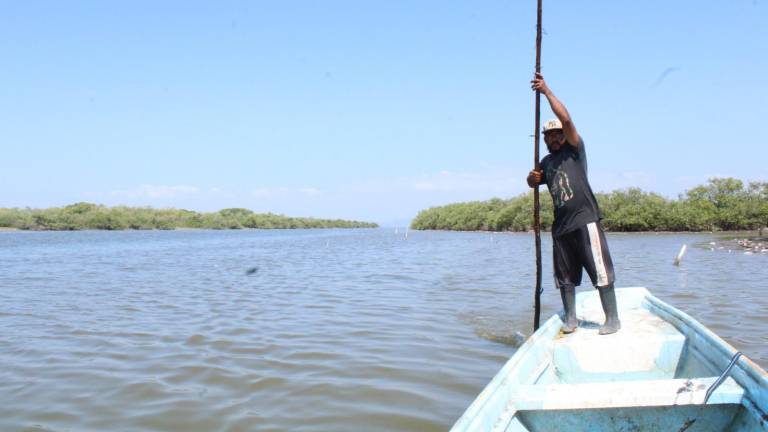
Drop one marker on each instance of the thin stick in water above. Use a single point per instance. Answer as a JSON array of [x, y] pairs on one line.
[[680, 255]]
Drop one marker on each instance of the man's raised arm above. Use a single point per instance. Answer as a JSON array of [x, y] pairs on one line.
[[569, 129]]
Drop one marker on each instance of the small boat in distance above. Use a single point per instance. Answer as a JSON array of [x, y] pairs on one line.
[[653, 375]]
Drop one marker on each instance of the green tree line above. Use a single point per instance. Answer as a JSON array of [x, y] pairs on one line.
[[84, 215], [720, 204]]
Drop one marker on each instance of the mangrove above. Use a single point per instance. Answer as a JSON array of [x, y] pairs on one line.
[[722, 204], [83, 215]]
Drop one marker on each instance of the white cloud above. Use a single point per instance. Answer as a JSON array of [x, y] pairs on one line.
[[310, 191], [489, 182], [609, 181], [263, 192], [669, 186], [155, 192], [384, 199], [439, 187], [283, 192]]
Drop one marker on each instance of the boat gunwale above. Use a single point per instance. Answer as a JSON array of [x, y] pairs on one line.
[[744, 363], [470, 416], [747, 373]]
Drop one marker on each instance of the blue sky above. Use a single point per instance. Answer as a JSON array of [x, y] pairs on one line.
[[367, 110]]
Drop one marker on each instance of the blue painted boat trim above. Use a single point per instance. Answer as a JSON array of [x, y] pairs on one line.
[[525, 382]]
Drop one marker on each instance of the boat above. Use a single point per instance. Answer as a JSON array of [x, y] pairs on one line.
[[663, 371]]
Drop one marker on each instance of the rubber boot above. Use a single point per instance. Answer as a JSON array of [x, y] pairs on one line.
[[608, 300], [570, 322]]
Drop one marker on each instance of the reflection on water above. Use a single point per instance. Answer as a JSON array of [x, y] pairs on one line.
[[309, 330]]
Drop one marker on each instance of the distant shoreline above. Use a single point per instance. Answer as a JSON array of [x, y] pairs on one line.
[[750, 233], [11, 229], [87, 216]]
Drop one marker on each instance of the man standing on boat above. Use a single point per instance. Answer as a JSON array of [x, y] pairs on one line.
[[578, 240]]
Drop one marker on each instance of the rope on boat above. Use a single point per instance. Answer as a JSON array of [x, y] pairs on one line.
[[722, 378]]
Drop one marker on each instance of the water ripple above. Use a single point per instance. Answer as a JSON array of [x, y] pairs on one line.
[[337, 330]]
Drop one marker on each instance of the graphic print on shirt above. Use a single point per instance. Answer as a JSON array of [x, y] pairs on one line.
[[560, 188]]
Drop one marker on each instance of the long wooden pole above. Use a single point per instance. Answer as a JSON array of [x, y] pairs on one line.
[[536, 207]]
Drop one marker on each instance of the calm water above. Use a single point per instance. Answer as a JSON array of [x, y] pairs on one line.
[[335, 331]]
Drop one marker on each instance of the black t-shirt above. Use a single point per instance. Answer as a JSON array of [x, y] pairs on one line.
[[565, 173]]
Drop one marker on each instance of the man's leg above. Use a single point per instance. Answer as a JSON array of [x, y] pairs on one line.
[[608, 300], [599, 265], [570, 322], [567, 277]]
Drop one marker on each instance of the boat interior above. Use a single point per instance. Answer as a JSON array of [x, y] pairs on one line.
[[653, 375]]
